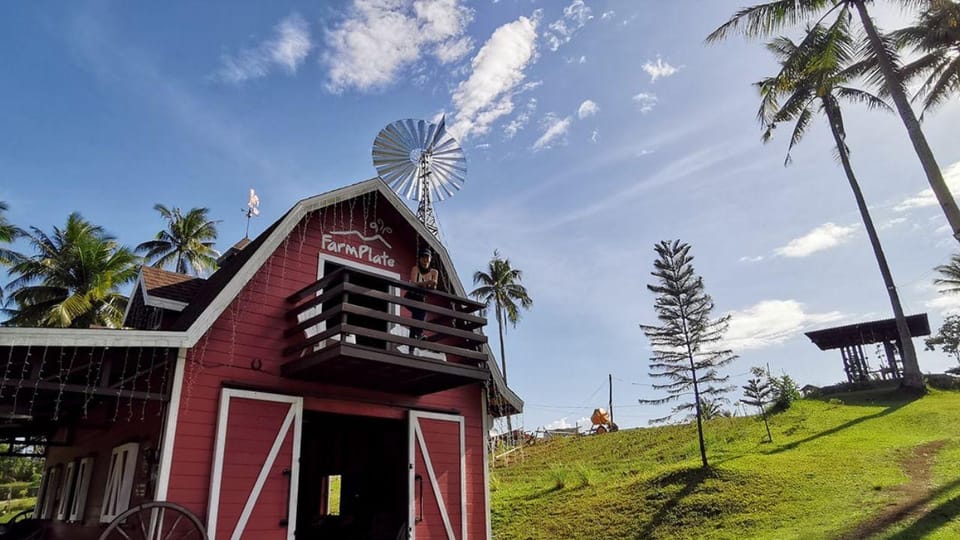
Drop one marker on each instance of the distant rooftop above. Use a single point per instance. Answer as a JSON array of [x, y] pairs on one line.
[[867, 332]]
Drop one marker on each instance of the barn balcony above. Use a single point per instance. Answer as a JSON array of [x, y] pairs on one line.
[[353, 328]]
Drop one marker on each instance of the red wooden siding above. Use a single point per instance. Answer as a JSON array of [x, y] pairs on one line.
[[252, 328]]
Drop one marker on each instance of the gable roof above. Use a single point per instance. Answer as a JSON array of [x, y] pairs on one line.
[[218, 291], [174, 286]]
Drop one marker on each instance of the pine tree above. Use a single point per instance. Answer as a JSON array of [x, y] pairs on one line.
[[686, 345], [759, 393]]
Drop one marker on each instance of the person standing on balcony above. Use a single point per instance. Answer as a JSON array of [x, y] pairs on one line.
[[423, 276]]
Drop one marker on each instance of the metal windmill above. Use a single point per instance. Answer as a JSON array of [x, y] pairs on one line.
[[420, 161]]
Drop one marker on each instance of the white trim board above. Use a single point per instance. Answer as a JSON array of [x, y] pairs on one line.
[[170, 428]]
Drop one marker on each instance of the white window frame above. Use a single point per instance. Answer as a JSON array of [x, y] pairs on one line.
[[66, 490], [116, 495], [322, 325], [48, 488], [81, 487]]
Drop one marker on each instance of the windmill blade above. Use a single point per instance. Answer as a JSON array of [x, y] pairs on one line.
[[417, 158]]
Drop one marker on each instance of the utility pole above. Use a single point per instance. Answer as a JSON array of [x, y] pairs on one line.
[[610, 402]]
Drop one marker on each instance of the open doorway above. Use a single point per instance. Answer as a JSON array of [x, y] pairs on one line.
[[353, 478]]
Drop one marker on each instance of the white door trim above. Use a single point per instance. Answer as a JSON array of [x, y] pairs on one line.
[[294, 418], [416, 439]]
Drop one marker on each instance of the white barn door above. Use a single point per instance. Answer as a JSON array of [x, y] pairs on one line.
[[253, 485], [437, 477]]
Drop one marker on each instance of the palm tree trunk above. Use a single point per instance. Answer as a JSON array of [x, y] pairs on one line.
[[503, 363], [927, 159], [911, 369]]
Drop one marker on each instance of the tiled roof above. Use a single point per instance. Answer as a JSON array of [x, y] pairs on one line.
[[170, 285]]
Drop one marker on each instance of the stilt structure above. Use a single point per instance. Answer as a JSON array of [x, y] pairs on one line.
[[851, 338]]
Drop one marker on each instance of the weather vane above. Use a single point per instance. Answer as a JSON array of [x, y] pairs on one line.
[[421, 161], [252, 210]]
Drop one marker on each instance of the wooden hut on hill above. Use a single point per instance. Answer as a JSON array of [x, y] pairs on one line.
[[246, 404]]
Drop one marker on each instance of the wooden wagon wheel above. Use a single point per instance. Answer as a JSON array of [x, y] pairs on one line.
[[155, 521]]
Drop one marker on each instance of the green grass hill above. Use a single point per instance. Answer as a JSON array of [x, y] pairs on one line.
[[872, 464]]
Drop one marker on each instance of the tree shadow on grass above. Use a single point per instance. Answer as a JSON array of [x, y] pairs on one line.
[[930, 521], [904, 399], [691, 480]]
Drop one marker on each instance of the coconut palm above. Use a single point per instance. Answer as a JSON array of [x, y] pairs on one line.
[[950, 276], [767, 18], [187, 242], [72, 279], [500, 286], [8, 233], [936, 37], [813, 79]]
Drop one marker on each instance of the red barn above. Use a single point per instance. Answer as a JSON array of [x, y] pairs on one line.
[[281, 397]]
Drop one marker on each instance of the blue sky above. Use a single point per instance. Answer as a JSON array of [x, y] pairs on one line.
[[592, 130]]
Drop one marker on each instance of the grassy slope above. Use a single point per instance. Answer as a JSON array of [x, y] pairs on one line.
[[833, 470]]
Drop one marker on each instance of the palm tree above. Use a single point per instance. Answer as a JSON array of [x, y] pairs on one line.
[[936, 36], [950, 273], [767, 18], [813, 78], [8, 233], [72, 280], [187, 242], [500, 285]]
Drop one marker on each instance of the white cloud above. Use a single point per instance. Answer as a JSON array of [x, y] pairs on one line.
[[749, 259], [453, 50], [607, 15], [659, 70], [645, 101], [946, 304], [561, 31], [380, 37], [497, 70], [587, 108], [921, 199], [891, 223], [595, 136], [564, 423], [555, 128], [287, 49], [771, 322], [823, 237], [521, 120]]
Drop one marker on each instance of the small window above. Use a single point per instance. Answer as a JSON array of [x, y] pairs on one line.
[[66, 490], [331, 500], [81, 486], [116, 496], [46, 497]]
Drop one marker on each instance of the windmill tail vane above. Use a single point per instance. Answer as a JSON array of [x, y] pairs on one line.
[[252, 210]]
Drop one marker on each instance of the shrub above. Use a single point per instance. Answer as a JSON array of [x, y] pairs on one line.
[[557, 473], [785, 391]]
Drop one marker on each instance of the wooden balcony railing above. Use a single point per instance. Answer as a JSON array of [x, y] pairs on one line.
[[353, 327]]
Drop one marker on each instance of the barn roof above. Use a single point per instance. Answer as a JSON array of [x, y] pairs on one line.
[[865, 333], [174, 286]]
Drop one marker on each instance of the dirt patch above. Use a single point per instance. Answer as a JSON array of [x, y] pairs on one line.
[[908, 500]]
